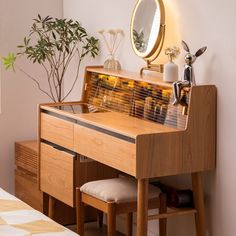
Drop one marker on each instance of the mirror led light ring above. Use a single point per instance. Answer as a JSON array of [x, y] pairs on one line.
[[155, 27]]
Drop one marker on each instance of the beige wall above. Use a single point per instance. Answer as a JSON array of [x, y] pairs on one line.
[[19, 96], [199, 23]]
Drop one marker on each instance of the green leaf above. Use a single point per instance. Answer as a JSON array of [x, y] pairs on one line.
[[9, 61]]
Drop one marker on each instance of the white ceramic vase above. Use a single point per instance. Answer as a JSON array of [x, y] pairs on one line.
[[170, 72]]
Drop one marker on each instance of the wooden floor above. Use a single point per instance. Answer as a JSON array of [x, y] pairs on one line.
[[91, 229]]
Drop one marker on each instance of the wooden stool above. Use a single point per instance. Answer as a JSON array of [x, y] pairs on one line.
[[113, 197]]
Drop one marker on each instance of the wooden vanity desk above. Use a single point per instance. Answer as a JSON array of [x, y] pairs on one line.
[[128, 122]]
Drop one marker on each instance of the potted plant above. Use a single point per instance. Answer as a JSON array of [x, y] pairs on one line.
[[53, 43]]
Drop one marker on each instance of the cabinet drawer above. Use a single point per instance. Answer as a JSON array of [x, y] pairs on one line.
[[57, 173], [105, 148], [57, 130]]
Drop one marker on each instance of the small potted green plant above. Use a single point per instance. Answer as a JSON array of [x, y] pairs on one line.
[[53, 43]]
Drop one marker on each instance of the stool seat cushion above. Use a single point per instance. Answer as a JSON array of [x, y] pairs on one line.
[[118, 190]]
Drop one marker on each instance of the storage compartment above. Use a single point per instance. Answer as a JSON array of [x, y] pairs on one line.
[[26, 189], [57, 173], [57, 130], [26, 155], [105, 148], [27, 182]]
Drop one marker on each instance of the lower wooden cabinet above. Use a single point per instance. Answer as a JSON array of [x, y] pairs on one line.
[[61, 172], [26, 188], [27, 183]]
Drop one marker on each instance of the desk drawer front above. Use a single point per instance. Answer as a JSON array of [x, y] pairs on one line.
[[106, 149], [56, 173], [57, 131]]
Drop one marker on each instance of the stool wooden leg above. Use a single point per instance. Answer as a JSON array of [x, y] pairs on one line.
[[51, 206], [79, 213], [199, 204], [100, 218], [111, 219], [162, 209], [129, 224]]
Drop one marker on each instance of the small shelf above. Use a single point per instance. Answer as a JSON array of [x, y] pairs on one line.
[[132, 75]]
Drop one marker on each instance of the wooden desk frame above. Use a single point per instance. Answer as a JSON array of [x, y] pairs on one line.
[[156, 151]]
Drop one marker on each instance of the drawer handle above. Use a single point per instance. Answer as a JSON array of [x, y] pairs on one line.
[[58, 148]]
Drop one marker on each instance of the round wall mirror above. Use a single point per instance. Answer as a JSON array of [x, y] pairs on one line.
[[148, 29]]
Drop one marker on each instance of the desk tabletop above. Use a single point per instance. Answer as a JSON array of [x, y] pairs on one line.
[[116, 122], [124, 124]]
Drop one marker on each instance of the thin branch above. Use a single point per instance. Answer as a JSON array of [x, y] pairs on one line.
[[66, 64], [73, 85], [36, 81], [54, 83], [118, 44], [55, 71], [49, 77]]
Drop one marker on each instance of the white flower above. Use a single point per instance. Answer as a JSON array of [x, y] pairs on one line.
[[112, 39], [120, 31], [101, 31], [111, 31], [172, 52]]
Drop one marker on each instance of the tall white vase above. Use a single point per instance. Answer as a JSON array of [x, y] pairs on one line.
[[170, 72]]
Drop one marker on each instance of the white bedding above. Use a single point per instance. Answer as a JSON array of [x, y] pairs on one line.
[[19, 219]]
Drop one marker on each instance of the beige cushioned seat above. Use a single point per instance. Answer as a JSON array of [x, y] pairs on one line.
[[118, 190]]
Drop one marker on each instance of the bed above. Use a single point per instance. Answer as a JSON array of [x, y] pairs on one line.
[[19, 219]]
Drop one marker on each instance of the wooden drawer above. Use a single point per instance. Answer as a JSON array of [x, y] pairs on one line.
[[26, 188], [57, 131], [107, 149], [57, 173], [26, 155]]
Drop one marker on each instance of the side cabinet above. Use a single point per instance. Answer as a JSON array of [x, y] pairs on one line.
[[27, 182], [26, 178]]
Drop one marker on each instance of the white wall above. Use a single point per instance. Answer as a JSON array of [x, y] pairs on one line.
[[200, 23], [19, 95]]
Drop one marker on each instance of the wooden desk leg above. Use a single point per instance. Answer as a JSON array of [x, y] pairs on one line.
[[162, 210], [199, 204], [51, 206], [142, 209]]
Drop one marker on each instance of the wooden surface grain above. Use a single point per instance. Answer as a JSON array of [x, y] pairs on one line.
[[56, 174], [106, 149]]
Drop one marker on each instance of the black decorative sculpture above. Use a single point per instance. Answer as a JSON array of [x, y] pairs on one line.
[[188, 78]]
